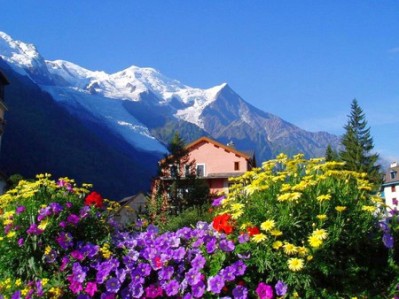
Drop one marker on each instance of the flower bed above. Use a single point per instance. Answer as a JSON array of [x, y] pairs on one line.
[[293, 228]]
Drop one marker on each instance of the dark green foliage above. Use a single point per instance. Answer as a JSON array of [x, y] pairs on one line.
[[358, 145], [189, 217], [331, 155], [41, 136]]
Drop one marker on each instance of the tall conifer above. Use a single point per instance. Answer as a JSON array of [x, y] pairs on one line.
[[358, 145]]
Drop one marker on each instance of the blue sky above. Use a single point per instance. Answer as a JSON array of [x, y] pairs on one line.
[[304, 61]]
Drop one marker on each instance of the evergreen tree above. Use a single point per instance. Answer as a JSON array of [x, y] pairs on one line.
[[331, 155], [358, 145]]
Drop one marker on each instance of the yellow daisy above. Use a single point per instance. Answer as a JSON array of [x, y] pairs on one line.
[[314, 241], [340, 208], [259, 238], [290, 248], [267, 225], [320, 234], [295, 264], [277, 245]]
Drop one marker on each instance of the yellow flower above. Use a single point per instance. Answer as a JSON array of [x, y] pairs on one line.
[[322, 217], [11, 234], [18, 282], [25, 291], [276, 232], [321, 234], [340, 208], [7, 222], [277, 245], [245, 225], [47, 250], [1, 238], [295, 264], [370, 209], [302, 251], [323, 197], [314, 241], [290, 248], [44, 281], [267, 225], [291, 196], [309, 257], [237, 214], [55, 292], [105, 251], [237, 206], [259, 238], [43, 224]]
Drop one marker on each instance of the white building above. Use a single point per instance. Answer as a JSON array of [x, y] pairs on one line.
[[390, 187]]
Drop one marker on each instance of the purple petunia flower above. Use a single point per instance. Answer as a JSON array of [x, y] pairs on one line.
[[165, 273], [73, 219], [239, 268], [215, 284], [388, 240], [243, 238], [16, 295], [112, 285], [240, 292], [198, 262], [56, 208], [171, 288], [218, 201], [226, 245], [281, 288], [228, 273], [198, 290], [264, 291], [193, 276], [34, 230], [64, 240], [211, 245], [136, 290]]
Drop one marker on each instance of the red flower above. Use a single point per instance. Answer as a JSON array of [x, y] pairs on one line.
[[94, 199], [253, 231], [222, 223]]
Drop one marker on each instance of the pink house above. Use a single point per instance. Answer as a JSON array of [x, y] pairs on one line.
[[216, 162]]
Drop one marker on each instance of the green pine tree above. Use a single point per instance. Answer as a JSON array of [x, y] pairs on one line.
[[358, 145], [331, 155]]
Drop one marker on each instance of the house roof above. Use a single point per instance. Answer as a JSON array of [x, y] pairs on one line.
[[4, 79], [388, 180], [225, 147]]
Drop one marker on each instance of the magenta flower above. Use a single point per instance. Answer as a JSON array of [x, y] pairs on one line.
[[91, 288], [20, 209], [264, 291]]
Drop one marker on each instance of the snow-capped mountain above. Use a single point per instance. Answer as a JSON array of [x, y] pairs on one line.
[[144, 108]]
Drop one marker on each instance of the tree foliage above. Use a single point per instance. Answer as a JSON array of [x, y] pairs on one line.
[[357, 152]]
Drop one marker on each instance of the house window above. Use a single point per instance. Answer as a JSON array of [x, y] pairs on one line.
[[187, 171], [393, 174], [393, 188], [200, 170], [173, 171], [236, 165]]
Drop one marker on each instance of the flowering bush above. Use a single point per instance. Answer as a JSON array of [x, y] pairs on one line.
[[312, 225], [44, 227], [57, 241]]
